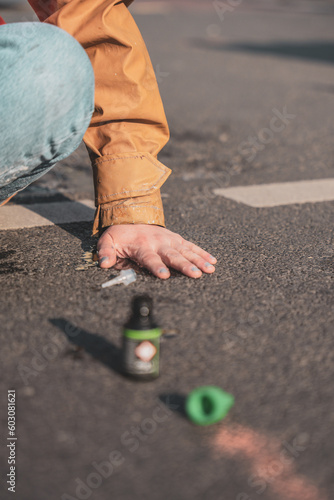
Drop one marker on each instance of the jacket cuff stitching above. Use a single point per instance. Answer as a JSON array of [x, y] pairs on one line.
[[99, 160], [134, 205]]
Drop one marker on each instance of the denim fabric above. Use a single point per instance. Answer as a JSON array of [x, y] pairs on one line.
[[46, 101]]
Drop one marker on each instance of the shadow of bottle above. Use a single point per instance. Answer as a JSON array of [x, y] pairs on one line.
[[98, 347]]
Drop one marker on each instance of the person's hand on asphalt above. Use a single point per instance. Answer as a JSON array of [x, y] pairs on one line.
[[155, 248]]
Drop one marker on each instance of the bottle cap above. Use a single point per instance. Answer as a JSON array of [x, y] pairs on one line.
[[126, 277], [208, 405], [141, 318]]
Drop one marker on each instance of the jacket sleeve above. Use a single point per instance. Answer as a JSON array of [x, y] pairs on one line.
[[128, 127]]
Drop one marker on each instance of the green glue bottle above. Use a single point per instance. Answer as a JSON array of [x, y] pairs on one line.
[[141, 341]]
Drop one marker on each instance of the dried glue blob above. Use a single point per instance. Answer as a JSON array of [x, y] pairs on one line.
[[208, 405]]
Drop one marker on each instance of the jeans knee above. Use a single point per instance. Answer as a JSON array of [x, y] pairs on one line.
[[43, 43], [65, 58], [47, 87], [47, 95], [41, 61]]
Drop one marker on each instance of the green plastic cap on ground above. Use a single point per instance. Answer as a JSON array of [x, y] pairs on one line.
[[208, 405]]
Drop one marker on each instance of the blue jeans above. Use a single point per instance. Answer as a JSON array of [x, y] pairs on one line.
[[46, 101]]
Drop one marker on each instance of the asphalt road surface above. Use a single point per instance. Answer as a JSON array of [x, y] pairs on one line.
[[248, 93]]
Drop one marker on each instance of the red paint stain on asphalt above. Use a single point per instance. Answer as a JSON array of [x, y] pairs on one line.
[[271, 464]]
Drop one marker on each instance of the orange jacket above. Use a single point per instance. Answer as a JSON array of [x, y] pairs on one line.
[[128, 127]]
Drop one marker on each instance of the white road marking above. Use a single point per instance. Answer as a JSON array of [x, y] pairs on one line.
[[280, 193], [45, 214]]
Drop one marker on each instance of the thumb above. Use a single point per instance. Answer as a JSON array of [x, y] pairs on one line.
[[107, 252]]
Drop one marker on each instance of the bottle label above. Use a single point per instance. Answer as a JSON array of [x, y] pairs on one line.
[[141, 357]]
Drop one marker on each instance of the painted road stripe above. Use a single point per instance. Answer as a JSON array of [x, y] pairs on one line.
[[45, 214], [272, 464], [281, 193]]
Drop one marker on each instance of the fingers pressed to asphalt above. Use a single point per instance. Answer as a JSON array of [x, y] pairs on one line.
[[106, 251], [153, 263], [196, 259], [174, 259], [199, 251]]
